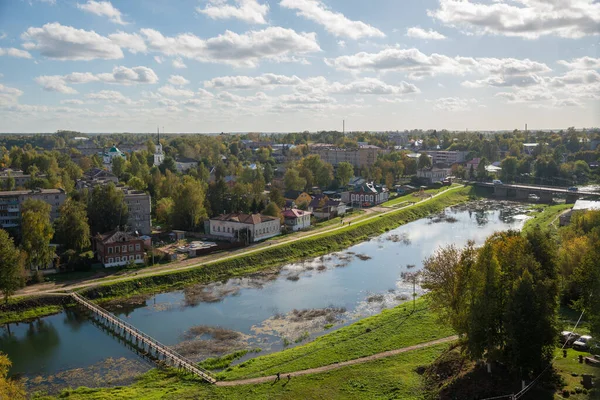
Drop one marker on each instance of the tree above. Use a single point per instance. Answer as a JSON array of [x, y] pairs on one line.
[[344, 172], [188, 204], [72, 228], [9, 183], [168, 164], [118, 166], [276, 197], [424, 161], [268, 173], [164, 211], [293, 180], [11, 267], [136, 183], [509, 168], [107, 209], [481, 171], [10, 388], [272, 210], [36, 232]]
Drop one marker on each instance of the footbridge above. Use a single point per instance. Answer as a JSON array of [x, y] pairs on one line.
[[144, 341], [545, 193]]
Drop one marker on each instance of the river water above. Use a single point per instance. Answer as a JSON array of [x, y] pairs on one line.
[[266, 311]]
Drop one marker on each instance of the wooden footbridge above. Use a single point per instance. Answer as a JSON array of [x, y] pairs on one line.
[[144, 341]]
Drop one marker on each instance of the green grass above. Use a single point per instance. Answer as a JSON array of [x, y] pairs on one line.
[[388, 378], [544, 217], [566, 367], [215, 363], [18, 310], [411, 198], [7, 317], [392, 329]]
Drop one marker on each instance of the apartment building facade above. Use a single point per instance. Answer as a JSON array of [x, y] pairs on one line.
[[11, 202], [363, 156]]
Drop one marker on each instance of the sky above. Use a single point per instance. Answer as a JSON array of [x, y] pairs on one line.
[[296, 65]]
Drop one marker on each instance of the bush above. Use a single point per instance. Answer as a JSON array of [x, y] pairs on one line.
[[566, 394]]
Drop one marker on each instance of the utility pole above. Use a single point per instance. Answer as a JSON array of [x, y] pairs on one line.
[[344, 127]]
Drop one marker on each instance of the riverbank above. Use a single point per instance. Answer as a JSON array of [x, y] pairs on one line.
[[545, 217], [31, 308]]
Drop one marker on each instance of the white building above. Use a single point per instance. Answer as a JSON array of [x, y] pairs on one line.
[[159, 155], [434, 174], [110, 154], [245, 227], [295, 219], [185, 164]]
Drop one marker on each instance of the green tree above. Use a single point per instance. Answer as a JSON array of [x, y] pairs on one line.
[[9, 183], [118, 166], [272, 210], [137, 184], [168, 164], [509, 168], [276, 197], [424, 161], [36, 233], [12, 274], [344, 172], [72, 228], [481, 172], [188, 204], [293, 180], [107, 209], [164, 211], [268, 173]]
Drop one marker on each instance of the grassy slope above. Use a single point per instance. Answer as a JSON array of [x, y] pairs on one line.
[[544, 217], [388, 378]]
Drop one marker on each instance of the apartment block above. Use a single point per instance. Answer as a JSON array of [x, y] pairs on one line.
[[11, 202]]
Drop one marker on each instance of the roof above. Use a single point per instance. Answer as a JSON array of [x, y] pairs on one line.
[[586, 205], [34, 191], [116, 236], [294, 213], [114, 149], [242, 218], [292, 194], [474, 161], [186, 160]]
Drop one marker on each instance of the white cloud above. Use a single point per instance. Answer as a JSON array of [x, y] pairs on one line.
[[12, 52], [334, 22], [103, 9], [167, 102], [250, 11], [372, 86], [453, 104], [178, 80], [526, 96], [171, 91], [73, 101], [67, 43], [341, 43], [9, 96], [178, 63], [130, 41], [419, 33], [2, 36], [523, 18], [10, 90], [582, 63], [111, 96], [231, 48], [249, 82], [119, 75], [158, 59]]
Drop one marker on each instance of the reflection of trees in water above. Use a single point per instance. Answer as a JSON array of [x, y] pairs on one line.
[[74, 318], [39, 342], [481, 218]]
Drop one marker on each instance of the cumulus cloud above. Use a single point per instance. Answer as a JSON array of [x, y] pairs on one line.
[[372, 86], [103, 9], [178, 63], [130, 41], [453, 104], [419, 33], [158, 59], [119, 75], [67, 43], [171, 91], [334, 22], [252, 82], [178, 80], [582, 63], [250, 11], [12, 52], [523, 18], [111, 96], [231, 48], [73, 102]]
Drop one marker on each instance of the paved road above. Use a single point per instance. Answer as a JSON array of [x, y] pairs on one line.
[[196, 262], [330, 367]]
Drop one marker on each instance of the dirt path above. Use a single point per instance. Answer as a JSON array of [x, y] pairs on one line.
[[330, 367], [196, 262]]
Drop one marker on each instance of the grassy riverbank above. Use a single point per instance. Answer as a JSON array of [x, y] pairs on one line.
[[276, 255], [31, 308], [544, 216]]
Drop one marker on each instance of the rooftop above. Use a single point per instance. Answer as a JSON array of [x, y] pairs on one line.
[[242, 218], [33, 191], [115, 236], [586, 205]]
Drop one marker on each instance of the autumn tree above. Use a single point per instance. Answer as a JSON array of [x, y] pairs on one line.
[[424, 161], [188, 204], [164, 211], [106, 209], [293, 180], [344, 172], [36, 233], [272, 210], [11, 268], [72, 228], [12, 389]]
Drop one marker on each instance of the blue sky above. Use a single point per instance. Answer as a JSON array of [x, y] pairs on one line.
[[294, 65]]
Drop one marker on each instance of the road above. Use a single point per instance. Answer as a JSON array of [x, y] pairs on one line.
[[330, 367], [46, 288]]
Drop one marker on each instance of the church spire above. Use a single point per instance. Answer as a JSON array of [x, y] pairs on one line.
[[158, 132]]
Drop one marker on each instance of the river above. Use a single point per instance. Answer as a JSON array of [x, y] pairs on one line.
[[266, 311]]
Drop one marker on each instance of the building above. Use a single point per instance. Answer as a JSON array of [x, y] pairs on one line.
[[159, 156], [118, 248], [21, 179], [447, 157], [298, 197], [528, 148], [321, 206], [363, 156], [295, 219], [185, 164], [436, 173], [366, 195], [11, 201], [245, 227], [109, 155], [139, 206], [96, 176], [580, 206]]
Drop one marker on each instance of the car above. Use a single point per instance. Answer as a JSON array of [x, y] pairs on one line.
[[534, 197], [583, 343], [497, 182], [568, 337], [573, 189]]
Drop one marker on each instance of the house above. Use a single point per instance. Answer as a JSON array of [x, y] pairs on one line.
[[493, 169], [298, 197], [473, 163], [366, 195], [321, 206], [580, 206], [404, 189], [244, 227], [447, 157], [109, 155], [11, 202], [118, 248], [436, 173], [296, 219], [184, 164], [96, 176]]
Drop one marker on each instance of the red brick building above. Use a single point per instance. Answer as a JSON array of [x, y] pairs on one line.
[[118, 248]]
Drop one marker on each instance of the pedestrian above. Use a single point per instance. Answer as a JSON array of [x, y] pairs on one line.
[[289, 377], [278, 376]]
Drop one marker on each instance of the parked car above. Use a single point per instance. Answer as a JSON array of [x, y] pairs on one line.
[[573, 189], [534, 197], [568, 337], [583, 343], [497, 182]]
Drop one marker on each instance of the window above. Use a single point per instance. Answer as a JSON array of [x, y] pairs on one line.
[[131, 258], [130, 247], [110, 260], [117, 249], [138, 257], [110, 250], [124, 249], [137, 247]]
